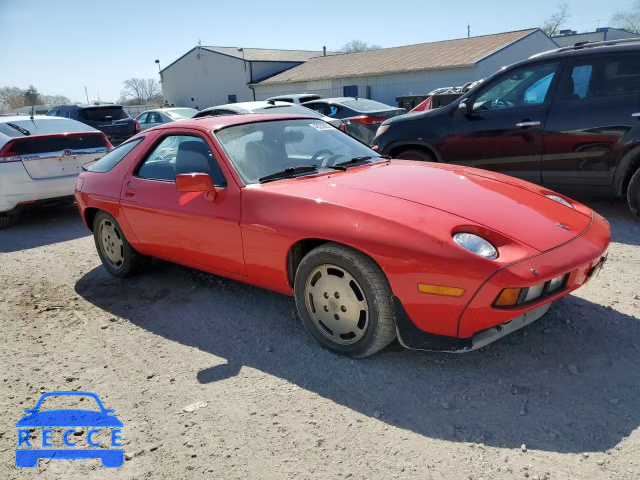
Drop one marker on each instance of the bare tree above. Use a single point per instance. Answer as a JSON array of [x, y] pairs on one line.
[[11, 98], [628, 19], [141, 90], [551, 25], [55, 100], [355, 46]]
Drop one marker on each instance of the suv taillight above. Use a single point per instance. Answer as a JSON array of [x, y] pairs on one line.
[[137, 124], [9, 153]]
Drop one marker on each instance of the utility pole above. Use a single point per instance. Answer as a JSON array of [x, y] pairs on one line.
[[86, 93], [468, 30]]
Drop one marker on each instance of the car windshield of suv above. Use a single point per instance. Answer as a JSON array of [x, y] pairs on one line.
[[263, 148], [289, 109], [100, 114], [179, 113]]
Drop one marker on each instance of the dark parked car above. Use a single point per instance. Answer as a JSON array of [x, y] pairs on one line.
[[108, 118], [361, 116], [568, 119]]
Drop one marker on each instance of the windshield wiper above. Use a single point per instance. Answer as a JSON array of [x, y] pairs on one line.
[[356, 160], [23, 131], [288, 172]]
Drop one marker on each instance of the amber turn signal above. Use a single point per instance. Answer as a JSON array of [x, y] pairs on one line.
[[440, 290], [508, 297]]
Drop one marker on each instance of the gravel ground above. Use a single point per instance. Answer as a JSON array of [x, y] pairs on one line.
[[558, 400]]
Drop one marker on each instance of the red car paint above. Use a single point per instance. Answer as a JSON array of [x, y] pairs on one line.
[[401, 213]]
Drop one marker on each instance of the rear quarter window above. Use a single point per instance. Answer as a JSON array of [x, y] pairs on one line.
[[114, 157]]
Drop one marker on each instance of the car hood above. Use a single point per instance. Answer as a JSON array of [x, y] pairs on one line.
[[69, 418], [512, 207]]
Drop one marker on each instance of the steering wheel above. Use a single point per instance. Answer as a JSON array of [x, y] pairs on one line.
[[499, 103], [317, 155]]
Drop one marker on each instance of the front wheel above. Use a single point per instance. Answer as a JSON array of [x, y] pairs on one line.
[[633, 194], [117, 255], [414, 154], [344, 301]]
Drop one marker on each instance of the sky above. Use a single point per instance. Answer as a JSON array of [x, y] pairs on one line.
[[61, 46]]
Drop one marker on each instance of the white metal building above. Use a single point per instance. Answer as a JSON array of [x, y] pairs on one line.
[[208, 76], [571, 37], [387, 73]]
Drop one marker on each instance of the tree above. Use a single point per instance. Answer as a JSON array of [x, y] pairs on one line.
[[54, 100], [551, 25], [355, 46], [31, 96], [141, 90], [11, 98], [629, 19]]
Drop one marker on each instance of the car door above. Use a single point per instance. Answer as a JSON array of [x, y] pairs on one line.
[[589, 119], [501, 127], [185, 227]]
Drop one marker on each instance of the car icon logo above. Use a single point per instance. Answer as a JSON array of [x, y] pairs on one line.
[[94, 422]]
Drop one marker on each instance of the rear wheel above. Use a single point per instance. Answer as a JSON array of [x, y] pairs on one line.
[[415, 154], [117, 255], [344, 301], [633, 194]]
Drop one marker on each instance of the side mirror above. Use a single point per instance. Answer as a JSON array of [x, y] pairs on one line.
[[465, 107], [196, 182]]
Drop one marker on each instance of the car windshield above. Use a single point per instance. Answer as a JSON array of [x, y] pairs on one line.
[[289, 109], [178, 113], [364, 105], [263, 148]]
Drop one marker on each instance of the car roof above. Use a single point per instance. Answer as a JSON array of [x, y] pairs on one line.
[[89, 105], [246, 106], [222, 121], [591, 48]]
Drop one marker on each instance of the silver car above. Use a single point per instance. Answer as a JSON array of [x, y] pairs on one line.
[[152, 118], [267, 106]]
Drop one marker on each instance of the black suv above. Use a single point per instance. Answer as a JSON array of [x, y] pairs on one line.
[[567, 119], [108, 118]]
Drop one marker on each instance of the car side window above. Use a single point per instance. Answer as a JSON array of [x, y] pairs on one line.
[[522, 87], [177, 154], [143, 118], [52, 113], [114, 157], [153, 117], [63, 113], [601, 77]]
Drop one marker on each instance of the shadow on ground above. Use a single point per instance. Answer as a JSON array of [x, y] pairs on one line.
[[42, 226], [568, 383]]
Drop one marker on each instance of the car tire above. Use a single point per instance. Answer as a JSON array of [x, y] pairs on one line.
[[117, 255], [344, 301], [633, 194], [414, 154], [5, 221]]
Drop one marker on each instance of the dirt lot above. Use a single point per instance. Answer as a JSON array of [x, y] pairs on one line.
[[278, 406]]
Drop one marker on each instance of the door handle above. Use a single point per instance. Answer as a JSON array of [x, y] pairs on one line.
[[636, 115], [527, 123], [130, 192]]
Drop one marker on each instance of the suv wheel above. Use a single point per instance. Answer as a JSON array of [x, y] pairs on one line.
[[415, 154], [633, 194]]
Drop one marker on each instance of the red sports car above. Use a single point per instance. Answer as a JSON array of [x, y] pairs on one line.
[[441, 256]]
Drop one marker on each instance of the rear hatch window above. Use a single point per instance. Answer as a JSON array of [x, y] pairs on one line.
[[364, 105], [101, 114]]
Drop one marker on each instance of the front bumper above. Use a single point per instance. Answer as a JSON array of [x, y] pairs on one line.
[[480, 323]]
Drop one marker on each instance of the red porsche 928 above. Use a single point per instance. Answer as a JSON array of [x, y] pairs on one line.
[[443, 257]]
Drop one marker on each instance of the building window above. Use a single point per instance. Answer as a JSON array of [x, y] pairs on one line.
[[233, 99], [350, 90]]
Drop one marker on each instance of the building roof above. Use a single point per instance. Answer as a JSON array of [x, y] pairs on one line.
[[266, 54], [424, 56]]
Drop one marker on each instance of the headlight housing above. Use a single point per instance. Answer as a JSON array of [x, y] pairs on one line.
[[476, 244], [560, 200], [382, 129]]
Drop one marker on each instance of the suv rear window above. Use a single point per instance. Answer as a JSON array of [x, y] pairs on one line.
[[114, 157], [102, 113]]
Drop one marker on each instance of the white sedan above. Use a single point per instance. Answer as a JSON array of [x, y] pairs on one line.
[[40, 158]]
